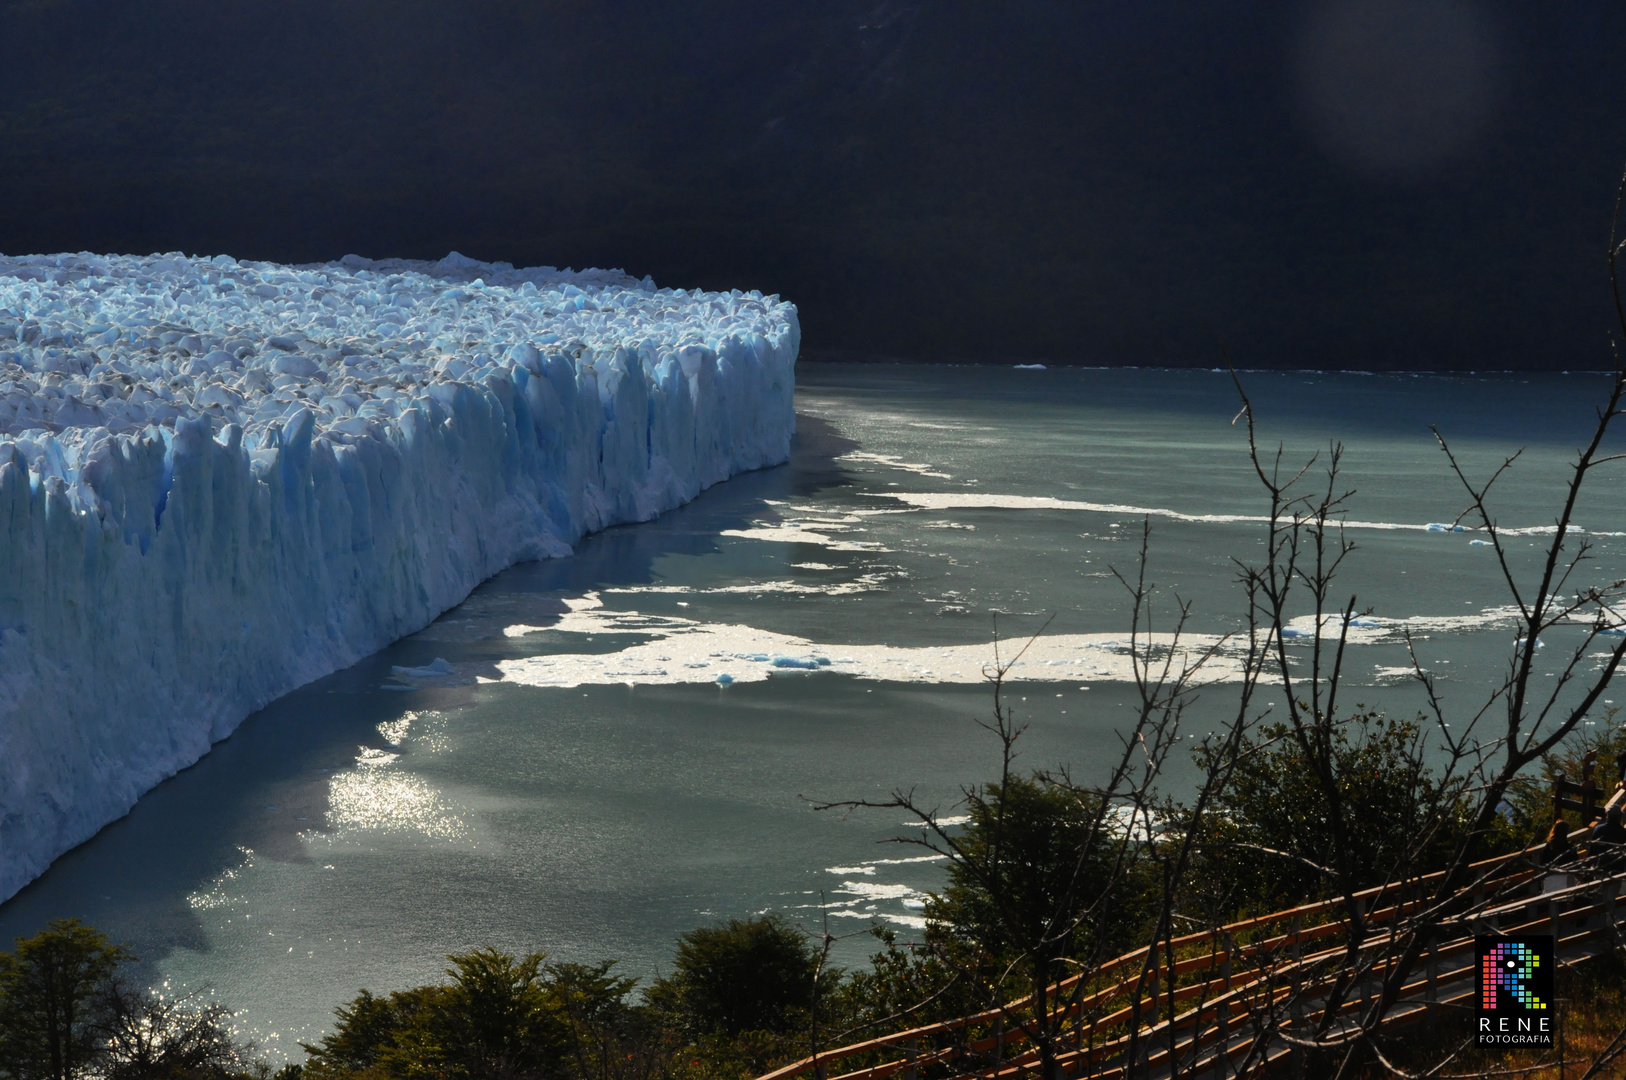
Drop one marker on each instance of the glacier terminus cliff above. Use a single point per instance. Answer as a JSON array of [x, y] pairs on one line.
[[222, 480]]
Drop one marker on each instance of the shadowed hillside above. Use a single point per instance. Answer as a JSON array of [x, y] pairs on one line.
[[1076, 182]]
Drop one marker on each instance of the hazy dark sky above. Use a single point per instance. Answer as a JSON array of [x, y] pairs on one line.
[[1343, 183]]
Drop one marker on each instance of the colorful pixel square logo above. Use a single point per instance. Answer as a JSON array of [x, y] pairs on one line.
[[1515, 981]]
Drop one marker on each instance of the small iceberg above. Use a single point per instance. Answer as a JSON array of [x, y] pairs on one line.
[[725, 679], [439, 669], [805, 663], [1440, 526]]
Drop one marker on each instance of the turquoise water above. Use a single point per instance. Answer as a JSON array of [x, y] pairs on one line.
[[581, 783]]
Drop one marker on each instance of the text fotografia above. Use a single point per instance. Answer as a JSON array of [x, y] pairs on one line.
[[1513, 1005]]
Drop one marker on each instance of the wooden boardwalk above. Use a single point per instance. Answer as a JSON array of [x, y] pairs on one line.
[[1224, 1004]]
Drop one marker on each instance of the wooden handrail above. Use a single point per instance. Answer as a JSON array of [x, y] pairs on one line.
[[1231, 991]]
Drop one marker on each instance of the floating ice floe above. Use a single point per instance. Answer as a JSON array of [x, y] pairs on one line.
[[674, 650], [970, 500], [220, 480], [796, 532], [681, 650], [894, 463]]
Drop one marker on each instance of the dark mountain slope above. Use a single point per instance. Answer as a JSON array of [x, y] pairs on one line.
[[1383, 183]]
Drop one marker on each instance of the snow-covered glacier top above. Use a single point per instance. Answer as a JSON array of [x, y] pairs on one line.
[[122, 342], [220, 480]]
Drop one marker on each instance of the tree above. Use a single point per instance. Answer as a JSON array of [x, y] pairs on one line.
[[747, 975], [1045, 899], [593, 1003], [148, 1035], [364, 1030], [52, 991], [1266, 846], [1019, 873], [494, 1021]]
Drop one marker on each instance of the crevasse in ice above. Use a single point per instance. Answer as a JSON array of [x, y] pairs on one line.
[[221, 480]]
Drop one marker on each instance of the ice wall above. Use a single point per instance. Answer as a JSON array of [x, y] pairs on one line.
[[221, 480]]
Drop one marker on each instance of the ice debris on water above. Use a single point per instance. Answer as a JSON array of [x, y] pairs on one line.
[[439, 669], [806, 663], [1440, 526], [220, 480]]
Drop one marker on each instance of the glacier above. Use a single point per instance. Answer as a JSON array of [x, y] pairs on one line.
[[220, 480]]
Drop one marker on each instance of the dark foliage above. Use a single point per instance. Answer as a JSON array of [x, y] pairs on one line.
[[1032, 864], [1268, 845], [752, 974], [52, 988], [147, 1035], [66, 1012], [495, 1019]]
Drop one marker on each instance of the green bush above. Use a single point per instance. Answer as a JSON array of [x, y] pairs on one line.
[[495, 1020], [1270, 840], [1033, 864], [747, 975]]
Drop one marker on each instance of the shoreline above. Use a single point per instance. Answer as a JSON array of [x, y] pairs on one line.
[[859, 358]]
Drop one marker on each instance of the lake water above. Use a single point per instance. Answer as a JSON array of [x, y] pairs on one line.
[[584, 783]]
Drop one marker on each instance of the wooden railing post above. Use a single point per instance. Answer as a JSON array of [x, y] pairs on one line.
[[1295, 1056], [1145, 1061], [1222, 1016], [1433, 965], [1174, 1031], [911, 1050]]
